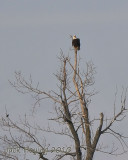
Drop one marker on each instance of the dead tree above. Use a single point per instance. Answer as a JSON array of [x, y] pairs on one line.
[[72, 110]]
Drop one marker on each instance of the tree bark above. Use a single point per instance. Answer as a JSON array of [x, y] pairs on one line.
[[68, 117]]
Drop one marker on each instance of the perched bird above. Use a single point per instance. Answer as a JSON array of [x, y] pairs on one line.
[[76, 42], [7, 115]]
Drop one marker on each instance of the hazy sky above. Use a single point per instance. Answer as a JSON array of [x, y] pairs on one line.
[[32, 32]]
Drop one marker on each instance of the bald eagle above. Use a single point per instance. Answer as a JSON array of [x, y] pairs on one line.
[[76, 42]]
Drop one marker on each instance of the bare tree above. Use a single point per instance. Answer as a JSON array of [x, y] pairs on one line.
[[72, 111]]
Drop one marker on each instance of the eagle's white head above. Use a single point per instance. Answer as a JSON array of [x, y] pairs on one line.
[[74, 37]]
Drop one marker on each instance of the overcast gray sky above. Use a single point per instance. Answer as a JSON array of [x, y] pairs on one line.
[[33, 31]]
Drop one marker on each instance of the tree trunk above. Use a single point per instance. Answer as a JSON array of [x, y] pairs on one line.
[[89, 154]]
